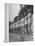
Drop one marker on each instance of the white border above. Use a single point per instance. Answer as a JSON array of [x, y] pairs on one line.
[[6, 22]]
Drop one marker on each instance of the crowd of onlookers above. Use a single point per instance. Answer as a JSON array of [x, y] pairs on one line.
[[24, 11]]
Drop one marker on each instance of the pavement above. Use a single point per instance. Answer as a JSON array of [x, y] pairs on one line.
[[13, 37]]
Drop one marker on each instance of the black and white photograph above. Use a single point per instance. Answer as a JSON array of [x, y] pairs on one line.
[[20, 22]]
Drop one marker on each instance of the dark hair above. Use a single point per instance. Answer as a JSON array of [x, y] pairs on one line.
[[29, 7]]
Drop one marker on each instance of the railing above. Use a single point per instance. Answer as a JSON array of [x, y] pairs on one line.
[[22, 22]]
